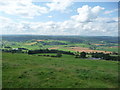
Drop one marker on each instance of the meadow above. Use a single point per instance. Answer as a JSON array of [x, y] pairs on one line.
[[24, 70], [31, 71]]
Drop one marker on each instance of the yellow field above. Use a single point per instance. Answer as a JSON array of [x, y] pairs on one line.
[[30, 43]]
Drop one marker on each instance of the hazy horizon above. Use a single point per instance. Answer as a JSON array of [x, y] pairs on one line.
[[52, 35]]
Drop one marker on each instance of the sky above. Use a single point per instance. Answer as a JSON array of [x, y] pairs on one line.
[[59, 18]]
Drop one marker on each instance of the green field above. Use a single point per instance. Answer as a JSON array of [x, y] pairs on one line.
[[21, 69], [63, 42], [53, 43], [114, 49], [30, 71]]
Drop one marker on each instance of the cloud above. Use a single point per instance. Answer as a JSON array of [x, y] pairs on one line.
[[24, 8], [7, 25], [59, 5], [106, 20], [86, 22], [27, 9], [110, 11], [69, 27], [87, 14], [50, 16]]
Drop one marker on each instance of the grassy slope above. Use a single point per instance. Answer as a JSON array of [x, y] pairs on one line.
[[114, 49], [22, 70]]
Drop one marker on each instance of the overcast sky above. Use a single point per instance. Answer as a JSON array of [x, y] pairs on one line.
[[59, 18]]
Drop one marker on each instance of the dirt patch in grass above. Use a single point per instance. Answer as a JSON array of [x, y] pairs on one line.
[[30, 43], [78, 48], [81, 49], [98, 44]]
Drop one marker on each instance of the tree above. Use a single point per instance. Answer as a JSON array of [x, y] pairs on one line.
[[83, 55], [107, 57], [8, 47], [77, 55], [59, 54], [13, 51]]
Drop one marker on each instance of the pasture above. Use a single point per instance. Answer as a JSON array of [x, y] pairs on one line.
[[31, 71], [42, 70]]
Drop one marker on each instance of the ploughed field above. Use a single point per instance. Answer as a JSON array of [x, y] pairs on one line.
[[81, 49], [21, 70]]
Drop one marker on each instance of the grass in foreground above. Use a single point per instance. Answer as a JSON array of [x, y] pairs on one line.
[[27, 71]]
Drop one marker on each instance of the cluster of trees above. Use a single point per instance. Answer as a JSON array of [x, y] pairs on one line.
[[22, 49], [105, 56], [97, 55], [7, 47], [12, 51], [115, 53], [57, 55], [15, 50], [80, 55], [53, 43], [49, 51]]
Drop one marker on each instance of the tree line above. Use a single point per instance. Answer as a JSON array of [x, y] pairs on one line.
[[57, 55], [97, 55], [105, 56], [60, 52], [49, 51]]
